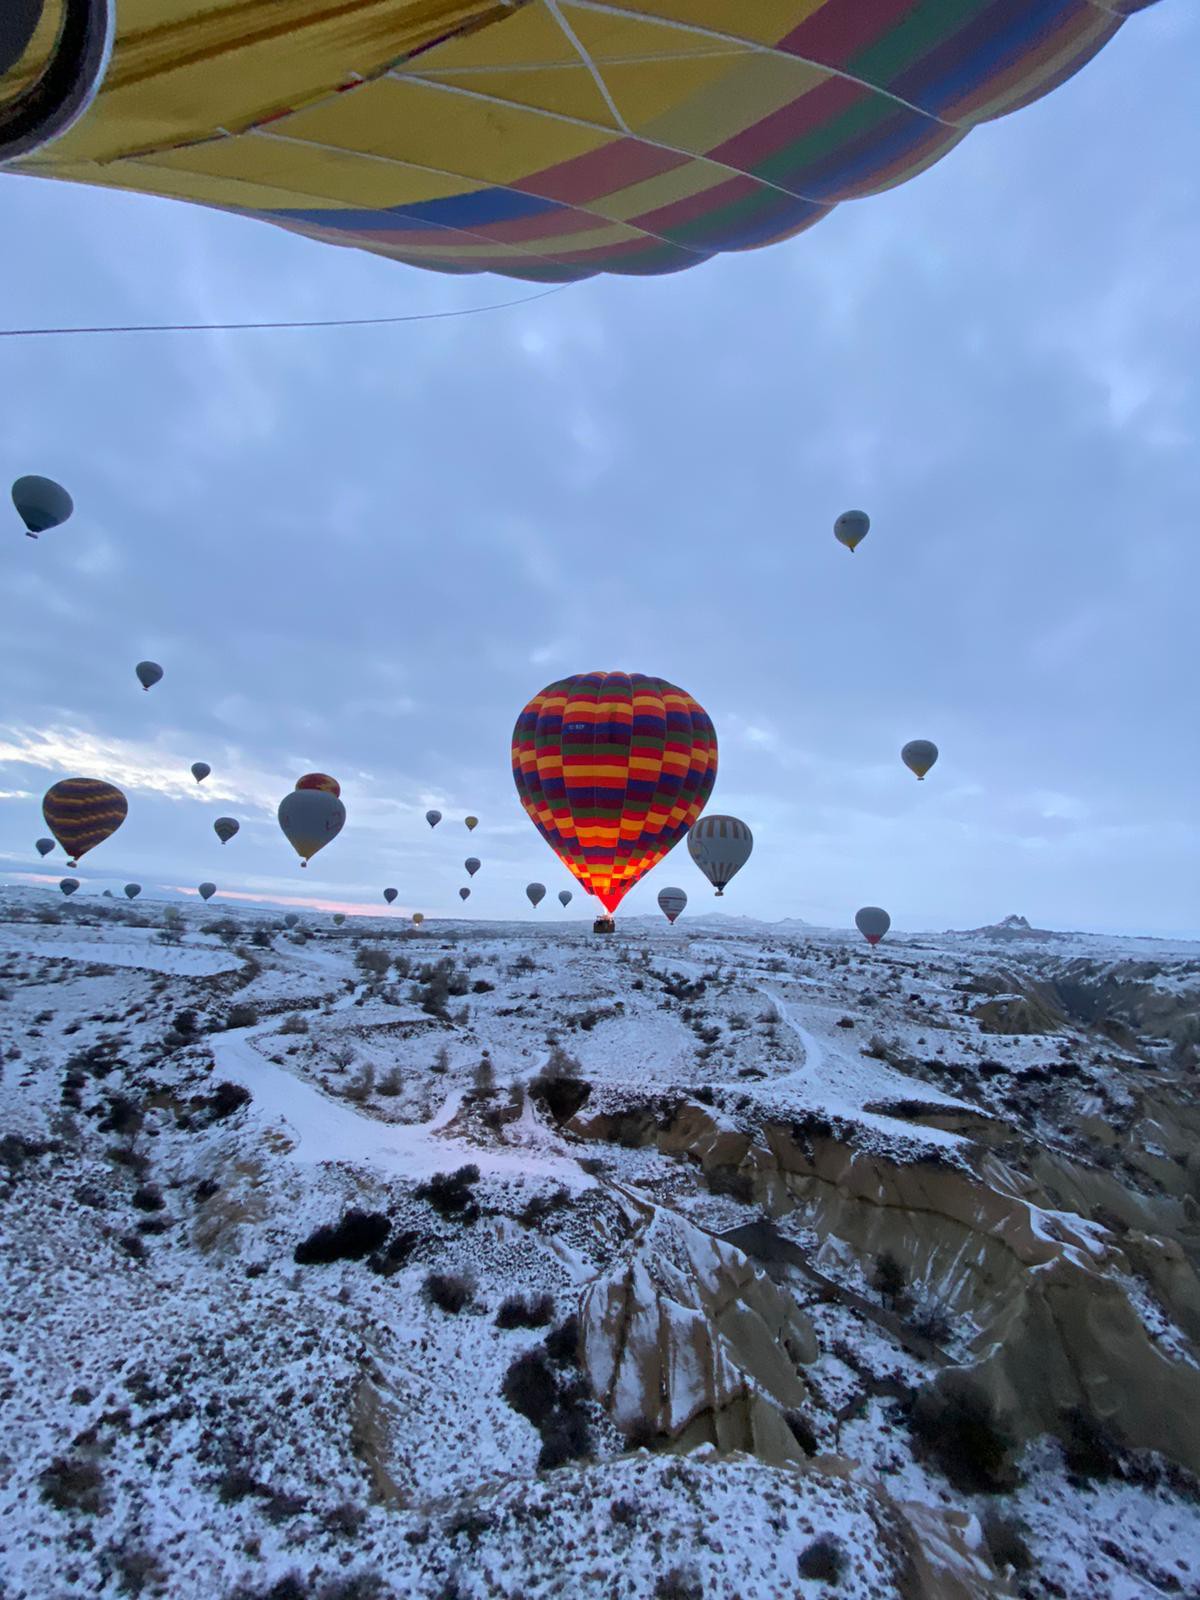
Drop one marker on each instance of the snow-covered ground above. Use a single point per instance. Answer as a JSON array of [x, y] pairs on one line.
[[194, 1411]]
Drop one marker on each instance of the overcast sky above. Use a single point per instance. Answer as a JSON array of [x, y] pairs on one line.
[[363, 551]]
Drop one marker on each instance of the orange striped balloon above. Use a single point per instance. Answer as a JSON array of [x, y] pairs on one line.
[[613, 768], [82, 812]]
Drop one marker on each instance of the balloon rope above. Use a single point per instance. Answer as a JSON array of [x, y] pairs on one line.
[[236, 327]]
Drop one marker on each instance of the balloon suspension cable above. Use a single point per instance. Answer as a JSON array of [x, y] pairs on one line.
[[243, 327]]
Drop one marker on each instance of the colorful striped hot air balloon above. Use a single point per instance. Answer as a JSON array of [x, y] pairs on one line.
[[544, 139], [82, 812], [613, 768]]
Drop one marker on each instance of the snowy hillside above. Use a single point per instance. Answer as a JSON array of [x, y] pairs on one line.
[[494, 1260]]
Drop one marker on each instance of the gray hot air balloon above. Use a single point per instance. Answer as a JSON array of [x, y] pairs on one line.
[[148, 673], [69, 885], [41, 503], [200, 770], [107, 895], [919, 755], [207, 890], [44, 846], [433, 818], [472, 864], [671, 902], [720, 847], [290, 920], [310, 818], [132, 890], [464, 893], [872, 922], [536, 893], [338, 918], [564, 897], [472, 823], [225, 828], [390, 894], [851, 528]]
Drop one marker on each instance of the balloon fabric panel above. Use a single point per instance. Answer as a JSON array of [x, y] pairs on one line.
[[554, 142]]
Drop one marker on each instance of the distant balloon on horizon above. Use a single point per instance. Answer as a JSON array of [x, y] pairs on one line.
[[671, 902], [872, 922], [132, 890], [564, 898], [390, 895], [720, 847], [68, 885], [207, 890], [535, 893], [464, 893], [433, 818], [44, 846]]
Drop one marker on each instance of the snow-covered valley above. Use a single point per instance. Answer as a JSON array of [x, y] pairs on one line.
[[686, 1264]]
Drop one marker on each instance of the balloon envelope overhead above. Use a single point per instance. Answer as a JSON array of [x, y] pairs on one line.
[[872, 922], [68, 885], [851, 528], [613, 769], [82, 812], [536, 893], [132, 890], [200, 770], [554, 142], [564, 897], [671, 902], [720, 847], [918, 755], [225, 828], [472, 864], [390, 894], [310, 818], [44, 846], [322, 781], [433, 818], [148, 673], [472, 823], [41, 503], [207, 890]]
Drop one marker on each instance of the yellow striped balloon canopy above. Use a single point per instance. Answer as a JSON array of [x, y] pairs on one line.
[[544, 139], [82, 812]]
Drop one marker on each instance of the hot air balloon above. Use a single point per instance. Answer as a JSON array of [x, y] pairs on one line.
[[919, 755], [132, 890], [225, 828], [464, 893], [418, 918], [433, 818], [390, 894], [290, 920], [148, 673], [107, 894], [671, 902], [535, 893], [547, 142], [322, 781], [613, 768], [851, 528], [872, 922], [82, 812], [207, 890], [68, 885], [44, 846], [472, 823], [200, 770], [310, 818], [338, 918], [41, 503], [720, 847], [472, 864], [564, 898]]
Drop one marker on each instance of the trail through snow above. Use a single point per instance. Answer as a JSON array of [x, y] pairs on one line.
[[324, 1129]]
